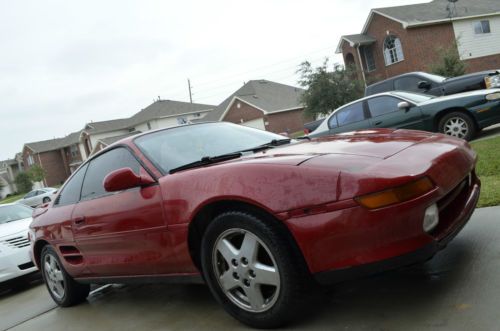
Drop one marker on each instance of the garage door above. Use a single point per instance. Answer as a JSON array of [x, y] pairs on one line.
[[257, 124]]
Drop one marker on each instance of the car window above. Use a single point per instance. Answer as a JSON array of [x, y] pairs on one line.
[[408, 83], [30, 195], [350, 114], [101, 166], [380, 87], [40, 192], [70, 194], [383, 105], [332, 122], [11, 213]]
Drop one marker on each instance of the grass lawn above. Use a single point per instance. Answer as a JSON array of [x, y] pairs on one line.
[[488, 170], [12, 198]]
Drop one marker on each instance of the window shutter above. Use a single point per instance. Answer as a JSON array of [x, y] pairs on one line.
[[399, 49]]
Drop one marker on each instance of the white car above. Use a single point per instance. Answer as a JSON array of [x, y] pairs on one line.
[[15, 259], [38, 196]]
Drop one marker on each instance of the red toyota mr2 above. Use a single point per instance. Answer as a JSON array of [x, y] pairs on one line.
[[255, 215]]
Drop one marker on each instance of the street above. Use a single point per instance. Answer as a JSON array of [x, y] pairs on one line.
[[458, 290]]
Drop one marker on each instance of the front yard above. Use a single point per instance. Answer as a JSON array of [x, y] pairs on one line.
[[12, 198], [488, 170]]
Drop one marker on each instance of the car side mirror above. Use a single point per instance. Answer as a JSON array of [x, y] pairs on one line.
[[404, 105], [125, 178], [424, 85]]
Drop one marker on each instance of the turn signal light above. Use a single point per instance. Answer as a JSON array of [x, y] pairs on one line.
[[493, 96], [396, 195]]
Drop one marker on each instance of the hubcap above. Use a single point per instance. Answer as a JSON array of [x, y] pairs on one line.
[[54, 276], [456, 127], [246, 270]]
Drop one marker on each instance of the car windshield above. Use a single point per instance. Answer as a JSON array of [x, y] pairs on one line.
[[415, 97], [173, 148], [13, 213]]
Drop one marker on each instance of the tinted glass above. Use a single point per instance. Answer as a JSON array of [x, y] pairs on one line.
[[383, 105], [408, 83], [350, 114], [71, 192], [175, 147], [14, 213], [101, 166], [379, 88]]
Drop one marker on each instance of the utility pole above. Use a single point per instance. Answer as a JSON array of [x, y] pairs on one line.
[[190, 95]]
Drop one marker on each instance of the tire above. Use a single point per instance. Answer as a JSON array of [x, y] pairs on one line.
[[458, 124], [63, 289], [264, 280], [46, 199]]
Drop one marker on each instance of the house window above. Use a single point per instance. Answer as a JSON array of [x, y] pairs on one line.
[[482, 27], [149, 126], [30, 160], [369, 60], [393, 51], [182, 120], [74, 150]]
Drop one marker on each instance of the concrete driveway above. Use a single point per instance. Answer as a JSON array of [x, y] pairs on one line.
[[458, 290]]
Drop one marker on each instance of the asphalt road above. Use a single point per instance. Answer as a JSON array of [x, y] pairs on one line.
[[458, 290]]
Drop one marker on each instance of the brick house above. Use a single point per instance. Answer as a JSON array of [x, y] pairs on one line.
[[59, 157], [402, 39], [264, 105]]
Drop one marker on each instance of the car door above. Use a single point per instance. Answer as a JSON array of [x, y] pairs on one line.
[[38, 198], [349, 118], [121, 233], [385, 113], [29, 199]]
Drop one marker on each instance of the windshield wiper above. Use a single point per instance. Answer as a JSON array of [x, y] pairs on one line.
[[271, 144], [206, 160]]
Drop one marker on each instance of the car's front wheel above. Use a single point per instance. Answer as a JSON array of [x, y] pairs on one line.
[[458, 124], [252, 270], [62, 288], [46, 199]]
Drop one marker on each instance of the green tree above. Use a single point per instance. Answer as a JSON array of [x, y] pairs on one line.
[[328, 89], [449, 63], [23, 182], [36, 173]]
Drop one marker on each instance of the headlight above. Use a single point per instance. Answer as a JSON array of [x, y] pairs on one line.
[[396, 195], [493, 96], [492, 81]]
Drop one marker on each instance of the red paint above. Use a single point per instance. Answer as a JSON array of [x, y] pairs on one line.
[[309, 186]]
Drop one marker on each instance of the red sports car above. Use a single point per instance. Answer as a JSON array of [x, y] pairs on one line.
[[255, 215]]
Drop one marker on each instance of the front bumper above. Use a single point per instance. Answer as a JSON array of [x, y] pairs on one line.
[[15, 262]]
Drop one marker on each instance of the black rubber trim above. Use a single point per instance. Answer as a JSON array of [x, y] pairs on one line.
[[191, 279]]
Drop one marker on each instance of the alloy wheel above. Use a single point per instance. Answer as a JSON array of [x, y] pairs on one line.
[[246, 270], [54, 276], [456, 127]]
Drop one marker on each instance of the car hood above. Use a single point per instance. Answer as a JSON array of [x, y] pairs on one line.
[[11, 228], [458, 96], [373, 143], [480, 75]]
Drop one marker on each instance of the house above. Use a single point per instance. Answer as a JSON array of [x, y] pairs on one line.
[[8, 172], [264, 105], [59, 157], [401, 39], [160, 114]]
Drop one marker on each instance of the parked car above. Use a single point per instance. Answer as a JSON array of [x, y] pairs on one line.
[[423, 82], [15, 258], [460, 115], [257, 214], [38, 196], [311, 126]]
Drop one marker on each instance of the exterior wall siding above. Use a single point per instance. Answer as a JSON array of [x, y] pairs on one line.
[[472, 45], [53, 164]]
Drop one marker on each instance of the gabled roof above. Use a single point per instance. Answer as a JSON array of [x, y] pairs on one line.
[[111, 140], [436, 12], [355, 40], [269, 97], [53, 144], [106, 126]]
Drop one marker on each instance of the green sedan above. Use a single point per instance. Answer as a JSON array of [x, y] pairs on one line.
[[460, 115]]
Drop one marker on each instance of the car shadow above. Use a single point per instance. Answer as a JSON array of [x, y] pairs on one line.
[[21, 284]]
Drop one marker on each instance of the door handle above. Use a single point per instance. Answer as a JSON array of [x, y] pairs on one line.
[[79, 220], [378, 123]]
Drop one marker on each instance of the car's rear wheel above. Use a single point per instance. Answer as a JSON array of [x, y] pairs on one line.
[[46, 199], [458, 124], [62, 288], [252, 270]]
